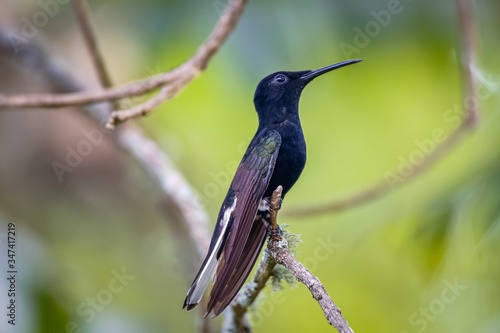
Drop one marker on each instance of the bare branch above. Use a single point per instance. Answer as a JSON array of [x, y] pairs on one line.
[[226, 24], [235, 316], [133, 141], [159, 166], [82, 16], [278, 253], [278, 249], [468, 65], [274, 207], [178, 77], [189, 70], [165, 93], [148, 153], [151, 156], [383, 188], [341, 205], [87, 97]]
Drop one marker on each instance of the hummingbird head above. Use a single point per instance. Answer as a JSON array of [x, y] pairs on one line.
[[277, 95]]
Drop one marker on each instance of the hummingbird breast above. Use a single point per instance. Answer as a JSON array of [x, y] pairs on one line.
[[291, 158]]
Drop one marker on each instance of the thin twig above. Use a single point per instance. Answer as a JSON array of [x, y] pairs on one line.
[[143, 109], [235, 317], [87, 97], [151, 156], [278, 249], [383, 188], [159, 166], [471, 116], [341, 205], [179, 77], [278, 253], [190, 69], [82, 16], [131, 139], [274, 207], [468, 62]]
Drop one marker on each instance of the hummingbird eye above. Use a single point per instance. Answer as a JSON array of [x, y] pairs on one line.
[[280, 78]]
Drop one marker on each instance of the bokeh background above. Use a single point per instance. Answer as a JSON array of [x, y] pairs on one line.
[[423, 258]]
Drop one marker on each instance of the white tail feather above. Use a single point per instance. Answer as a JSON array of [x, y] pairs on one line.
[[195, 293]]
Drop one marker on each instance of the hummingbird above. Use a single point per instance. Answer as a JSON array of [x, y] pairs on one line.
[[275, 156]]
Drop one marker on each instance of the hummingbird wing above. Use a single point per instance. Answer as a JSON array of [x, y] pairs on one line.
[[247, 234], [238, 236]]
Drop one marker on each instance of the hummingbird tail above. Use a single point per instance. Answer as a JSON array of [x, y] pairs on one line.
[[207, 270], [229, 280]]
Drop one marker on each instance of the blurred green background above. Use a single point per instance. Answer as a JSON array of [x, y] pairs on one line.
[[424, 258]]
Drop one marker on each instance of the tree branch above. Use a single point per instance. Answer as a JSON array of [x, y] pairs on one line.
[[129, 138], [471, 116], [468, 62], [190, 69], [235, 317], [175, 80], [278, 253], [178, 77], [150, 155], [278, 249], [132, 140], [82, 16], [153, 159], [160, 167]]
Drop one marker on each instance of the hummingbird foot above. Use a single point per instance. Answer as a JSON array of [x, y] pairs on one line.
[[274, 232]]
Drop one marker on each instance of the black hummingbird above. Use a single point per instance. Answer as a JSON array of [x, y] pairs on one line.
[[275, 156]]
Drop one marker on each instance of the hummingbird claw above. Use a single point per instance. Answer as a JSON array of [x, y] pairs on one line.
[[272, 232]]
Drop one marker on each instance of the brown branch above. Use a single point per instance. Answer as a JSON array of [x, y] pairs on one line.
[[87, 97], [235, 319], [468, 64], [278, 253], [143, 109], [383, 188], [160, 167], [190, 69], [148, 153], [341, 205], [132, 140], [178, 77], [81, 11], [151, 156], [471, 115], [278, 249]]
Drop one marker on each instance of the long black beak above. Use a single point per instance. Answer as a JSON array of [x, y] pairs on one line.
[[309, 76]]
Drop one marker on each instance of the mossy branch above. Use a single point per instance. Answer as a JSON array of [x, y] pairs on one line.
[[278, 254]]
